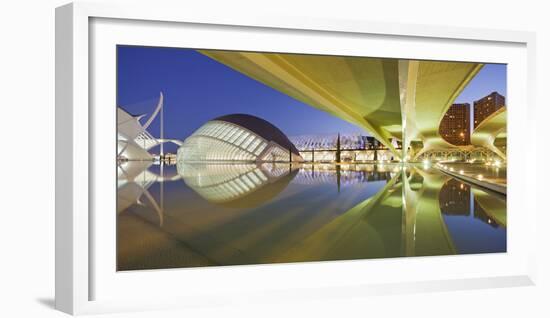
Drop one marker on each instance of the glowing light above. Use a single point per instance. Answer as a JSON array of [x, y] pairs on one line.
[[461, 171], [480, 176]]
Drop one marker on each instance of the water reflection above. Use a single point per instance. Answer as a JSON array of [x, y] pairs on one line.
[[220, 214], [237, 185], [134, 178], [343, 175]]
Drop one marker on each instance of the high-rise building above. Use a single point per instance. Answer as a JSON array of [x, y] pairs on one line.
[[487, 105], [455, 125]]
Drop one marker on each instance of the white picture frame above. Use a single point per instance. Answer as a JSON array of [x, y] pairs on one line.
[[80, 147]]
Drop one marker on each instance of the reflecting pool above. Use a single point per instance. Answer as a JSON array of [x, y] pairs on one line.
[[192, 215]]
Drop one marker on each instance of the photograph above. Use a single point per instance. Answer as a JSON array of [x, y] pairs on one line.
[[246, 157]]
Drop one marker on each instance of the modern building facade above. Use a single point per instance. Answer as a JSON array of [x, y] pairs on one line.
[[133, 139], [329, 142], [353, 147], [486, 106], [352, 141], [238, 138], [455, 125]]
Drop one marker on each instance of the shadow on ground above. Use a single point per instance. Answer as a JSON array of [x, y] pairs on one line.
[[48, 302]]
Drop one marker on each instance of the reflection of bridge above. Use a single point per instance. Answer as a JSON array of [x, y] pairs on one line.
[[278, 221], [403, 219], [389, 98]]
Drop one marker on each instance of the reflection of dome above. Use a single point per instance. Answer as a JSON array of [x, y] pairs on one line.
[[244, 185], [238, 137]]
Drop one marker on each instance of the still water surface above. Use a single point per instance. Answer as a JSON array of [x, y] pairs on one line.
[[193, 215]]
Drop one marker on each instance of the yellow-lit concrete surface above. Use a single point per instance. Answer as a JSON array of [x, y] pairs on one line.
[[493, 206], [489, 129], [389, 98], [490, 176]]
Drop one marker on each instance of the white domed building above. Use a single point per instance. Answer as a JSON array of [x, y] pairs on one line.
[[238, 138]]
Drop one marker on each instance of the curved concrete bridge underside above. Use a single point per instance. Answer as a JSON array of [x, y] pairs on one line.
[[489, 129], [389, 98]]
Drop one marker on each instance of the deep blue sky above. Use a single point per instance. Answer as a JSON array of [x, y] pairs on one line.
[[197, 89]]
